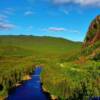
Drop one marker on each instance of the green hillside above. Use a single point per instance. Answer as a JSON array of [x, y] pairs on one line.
[[76, 77], [20, 54], [28, 45], [69, 71]]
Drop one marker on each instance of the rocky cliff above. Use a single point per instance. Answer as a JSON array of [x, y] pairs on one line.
[[93, 33]]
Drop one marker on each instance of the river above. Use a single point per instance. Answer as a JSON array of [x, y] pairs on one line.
[[29, 90]]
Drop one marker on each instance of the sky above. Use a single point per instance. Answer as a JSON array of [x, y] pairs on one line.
[[68, 19]]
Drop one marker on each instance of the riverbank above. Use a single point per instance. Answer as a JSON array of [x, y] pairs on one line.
[[2, 98], [30, 89], [24, 78], [27, 79], [50, 96]]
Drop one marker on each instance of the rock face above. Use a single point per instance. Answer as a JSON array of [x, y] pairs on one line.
[[93, 33]]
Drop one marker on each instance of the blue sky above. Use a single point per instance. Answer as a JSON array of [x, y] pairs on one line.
[[69, 19]]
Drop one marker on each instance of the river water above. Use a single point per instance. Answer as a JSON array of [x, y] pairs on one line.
[[30, 90]]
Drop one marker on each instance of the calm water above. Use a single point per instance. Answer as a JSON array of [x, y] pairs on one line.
[[30, 90]]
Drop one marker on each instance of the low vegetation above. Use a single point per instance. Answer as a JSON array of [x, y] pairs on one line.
[[20, 54], [72, 80], [69, 71], [76, 77]]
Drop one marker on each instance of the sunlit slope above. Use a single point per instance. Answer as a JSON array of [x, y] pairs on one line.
[[20, 54], [32, 45]]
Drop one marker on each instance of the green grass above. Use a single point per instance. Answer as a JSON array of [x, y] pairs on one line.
[[28, 45], [69, 71], [74, 78], [66, 80], [20, 54]]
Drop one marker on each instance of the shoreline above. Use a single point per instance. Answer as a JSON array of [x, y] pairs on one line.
[[25, 78], [51, 96]]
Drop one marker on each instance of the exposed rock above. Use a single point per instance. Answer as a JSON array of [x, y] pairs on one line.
[[93, 33], [17, 84], [26, 77], [54, 97]]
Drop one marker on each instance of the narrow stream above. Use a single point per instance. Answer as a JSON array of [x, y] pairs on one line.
[[30, 90]]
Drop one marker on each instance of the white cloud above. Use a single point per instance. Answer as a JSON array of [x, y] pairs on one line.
[[61, 29], [2, 17], [80, 2], [6, 26], [88, 2], [5, 14], [63, 10], [61, 1], [28, 13], [72, 31], [56, 29], [4, 22], [8, 11]]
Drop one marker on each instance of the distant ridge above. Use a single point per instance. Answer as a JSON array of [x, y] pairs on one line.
[[24, 45]]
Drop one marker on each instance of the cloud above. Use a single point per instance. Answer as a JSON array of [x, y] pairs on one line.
[[56, 29], [61, 1], [8, 11], [72, 31], [28, 13], [30, 27], [61, 29], [3, 17], [4, 22], [6, 26], [80, 2], [66, 12], [5, 14]]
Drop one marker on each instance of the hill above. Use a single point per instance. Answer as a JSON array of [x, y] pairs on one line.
[[20, 54], [93, 34], [92, 41], [32, 45]]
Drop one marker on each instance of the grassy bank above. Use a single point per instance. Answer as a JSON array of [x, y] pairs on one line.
[[74, 78]]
